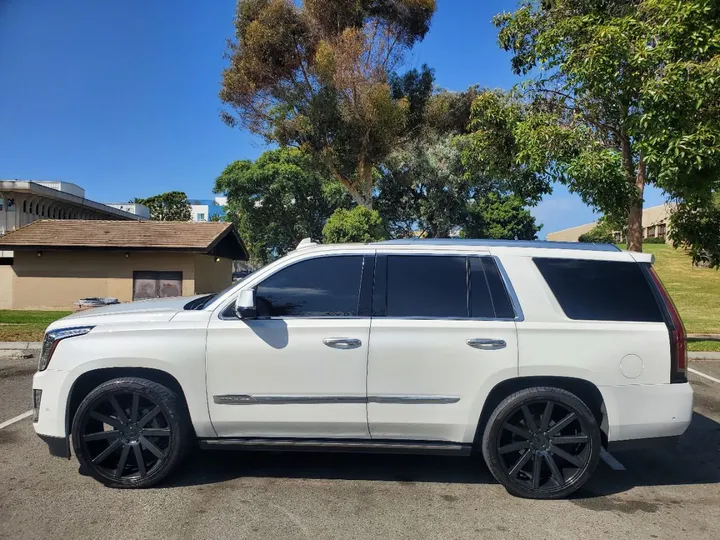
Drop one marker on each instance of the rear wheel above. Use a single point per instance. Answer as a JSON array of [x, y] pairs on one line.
[[542, 443], [130, 432]]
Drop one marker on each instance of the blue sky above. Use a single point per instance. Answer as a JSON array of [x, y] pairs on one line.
[[121, 97]]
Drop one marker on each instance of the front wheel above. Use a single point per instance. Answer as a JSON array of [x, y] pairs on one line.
[[542, 443], [130, 432]]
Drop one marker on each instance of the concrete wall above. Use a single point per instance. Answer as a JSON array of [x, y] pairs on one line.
[[6, 286], [58, 279], [212, 276]]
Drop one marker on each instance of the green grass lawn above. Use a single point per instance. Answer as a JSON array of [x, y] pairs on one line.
[[695, 291], [18, 325]]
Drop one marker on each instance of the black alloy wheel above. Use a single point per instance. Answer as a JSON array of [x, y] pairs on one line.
[[542, 443], [128, 432]]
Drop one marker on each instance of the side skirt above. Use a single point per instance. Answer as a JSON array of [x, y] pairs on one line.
[[339, 445]]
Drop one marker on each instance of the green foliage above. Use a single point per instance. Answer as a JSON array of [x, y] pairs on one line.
[[170, 206], [624, 93], [654, 240], [319, 76], [696, 225], [501, 217], [278, 200], [422, 188], [359, 224], [601, 234]]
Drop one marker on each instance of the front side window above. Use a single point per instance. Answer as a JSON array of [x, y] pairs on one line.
[[322, 287]]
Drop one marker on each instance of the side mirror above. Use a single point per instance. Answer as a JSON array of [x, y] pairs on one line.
[[245, 304]]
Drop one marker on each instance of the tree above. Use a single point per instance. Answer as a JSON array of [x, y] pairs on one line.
[[626, 94], [423, 189], [602, 233], [359, 224], [318, 76], [278, 200], [503, 217], [170, 206]]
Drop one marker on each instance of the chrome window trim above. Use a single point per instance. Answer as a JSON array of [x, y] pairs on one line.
[[278, 399]]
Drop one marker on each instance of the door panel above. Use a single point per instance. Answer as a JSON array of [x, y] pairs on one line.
[[434, 376], [277, 378], [300, 368], [443, 333]]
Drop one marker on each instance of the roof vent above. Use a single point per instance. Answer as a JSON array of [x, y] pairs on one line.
[[306, 242]]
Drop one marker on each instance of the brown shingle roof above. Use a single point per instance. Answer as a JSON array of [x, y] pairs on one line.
[[127, 235]]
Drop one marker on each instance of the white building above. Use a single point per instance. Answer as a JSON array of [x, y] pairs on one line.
[[207, 209]]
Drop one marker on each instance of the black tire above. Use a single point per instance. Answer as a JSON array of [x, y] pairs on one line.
[[515, 446], [149, 432]]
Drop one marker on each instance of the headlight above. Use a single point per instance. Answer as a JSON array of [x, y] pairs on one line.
[[54, 337]]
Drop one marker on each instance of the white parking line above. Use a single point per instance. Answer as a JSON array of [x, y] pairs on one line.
[[16, 419], [608, 458], [696, 372]]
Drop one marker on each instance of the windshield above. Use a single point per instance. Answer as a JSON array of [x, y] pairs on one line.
[[200, 303]]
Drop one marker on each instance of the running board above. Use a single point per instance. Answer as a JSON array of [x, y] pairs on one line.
[[339, 445]]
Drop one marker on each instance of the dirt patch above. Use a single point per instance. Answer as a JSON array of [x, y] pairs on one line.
[[17, 371], [607, 504]]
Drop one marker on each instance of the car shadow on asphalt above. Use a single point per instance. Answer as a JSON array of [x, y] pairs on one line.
[[695, 460]]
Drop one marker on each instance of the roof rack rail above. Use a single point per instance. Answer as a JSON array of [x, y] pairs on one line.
[[478, 242]]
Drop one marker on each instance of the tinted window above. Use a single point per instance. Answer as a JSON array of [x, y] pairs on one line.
[[498, 292], [324, 287], [600, 290], [426, 286], [481, 304]]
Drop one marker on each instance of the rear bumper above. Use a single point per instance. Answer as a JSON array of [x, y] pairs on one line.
[[658, 411]]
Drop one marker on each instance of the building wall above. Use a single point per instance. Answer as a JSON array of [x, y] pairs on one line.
[[58, 279], [212, 276], [6, 289], [571, 235], [655, 222]]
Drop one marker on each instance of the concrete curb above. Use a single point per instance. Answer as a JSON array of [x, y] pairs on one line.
[[19, 345], [704, 355]]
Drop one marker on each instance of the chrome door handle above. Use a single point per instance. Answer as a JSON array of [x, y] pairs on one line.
[[486, 344], [342, 343]]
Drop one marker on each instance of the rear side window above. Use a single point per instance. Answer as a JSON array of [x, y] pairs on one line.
[[322, 287], [426, 286], [600, 290]]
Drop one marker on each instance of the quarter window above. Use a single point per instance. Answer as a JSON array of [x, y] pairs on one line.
[[600, 290], [322, 287]]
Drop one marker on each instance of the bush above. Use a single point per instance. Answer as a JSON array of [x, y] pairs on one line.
[[357, 225], [655, 240]]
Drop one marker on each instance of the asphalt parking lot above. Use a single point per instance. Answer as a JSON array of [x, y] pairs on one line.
[[662, 494]]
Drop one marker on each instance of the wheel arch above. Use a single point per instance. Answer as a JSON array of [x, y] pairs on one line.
[[89, 380], [587, 391]]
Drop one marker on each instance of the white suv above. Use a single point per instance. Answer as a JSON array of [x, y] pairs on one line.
[[535, 354]]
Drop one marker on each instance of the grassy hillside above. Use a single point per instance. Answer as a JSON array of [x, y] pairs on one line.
[[695, 291]]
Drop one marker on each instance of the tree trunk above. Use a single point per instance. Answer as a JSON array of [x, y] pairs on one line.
[[361, 197], [635, 211]]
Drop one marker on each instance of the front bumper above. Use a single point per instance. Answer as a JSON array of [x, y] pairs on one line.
[[50, 413], [656, 411]]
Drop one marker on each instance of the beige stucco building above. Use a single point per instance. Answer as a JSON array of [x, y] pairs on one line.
[[58, 262], [655, 222]]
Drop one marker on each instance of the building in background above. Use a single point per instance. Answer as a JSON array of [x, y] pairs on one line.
[[208, 209], [59, 262], [136, 209], [655, 222], [23, 201]]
